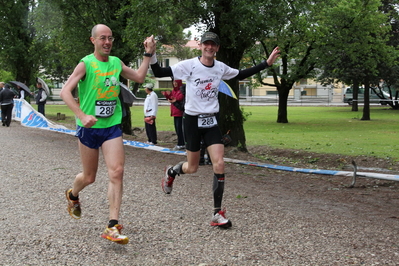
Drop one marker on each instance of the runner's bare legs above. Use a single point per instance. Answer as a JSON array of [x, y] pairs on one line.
[[115, 159], [89, 158], [114, 156], [215, 151]]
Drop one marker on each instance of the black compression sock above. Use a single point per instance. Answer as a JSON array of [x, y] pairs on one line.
[[218, 189], [112, 223], [72, 197]]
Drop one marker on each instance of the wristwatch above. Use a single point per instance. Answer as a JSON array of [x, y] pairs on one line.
[[147, 54]]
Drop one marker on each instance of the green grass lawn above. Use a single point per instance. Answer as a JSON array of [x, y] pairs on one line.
[[326, 130], [317, 129]]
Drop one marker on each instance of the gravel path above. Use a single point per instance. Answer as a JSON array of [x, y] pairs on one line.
[[279, 218]]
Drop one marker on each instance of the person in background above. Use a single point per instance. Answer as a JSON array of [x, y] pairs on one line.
[[203, 75], [176, 98], [150, 114], [41, 98], [7, 103], [21, 92], [99, 117]]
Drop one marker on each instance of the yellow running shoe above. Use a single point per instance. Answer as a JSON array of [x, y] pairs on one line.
[[73, 205], [114, 234]]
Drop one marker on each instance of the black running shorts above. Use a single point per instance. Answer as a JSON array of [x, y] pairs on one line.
[[193, 134]]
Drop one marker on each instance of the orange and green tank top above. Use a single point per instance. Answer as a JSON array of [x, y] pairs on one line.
[[99, 91]]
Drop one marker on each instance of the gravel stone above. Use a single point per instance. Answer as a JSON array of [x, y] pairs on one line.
[[279, 218]]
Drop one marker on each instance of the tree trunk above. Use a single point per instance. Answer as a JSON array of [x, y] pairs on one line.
[[366, 107], [231, 118], [283, 92], [230, 115], [282, 114], [127, 121], [355, 105]]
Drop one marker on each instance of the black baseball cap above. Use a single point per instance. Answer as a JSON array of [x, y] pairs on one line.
[[210, 36]]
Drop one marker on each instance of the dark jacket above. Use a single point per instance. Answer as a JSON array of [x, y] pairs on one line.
[[6, 96], [39, 96]]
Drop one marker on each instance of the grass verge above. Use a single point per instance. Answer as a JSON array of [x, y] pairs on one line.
[[335, 130]]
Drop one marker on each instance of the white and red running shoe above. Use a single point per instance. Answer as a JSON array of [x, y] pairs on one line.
[[219, 219], [167, 181]]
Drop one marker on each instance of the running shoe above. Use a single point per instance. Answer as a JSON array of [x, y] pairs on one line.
[[114, 234], [178, 148], [73, 205], [167, 181], [219, 219]]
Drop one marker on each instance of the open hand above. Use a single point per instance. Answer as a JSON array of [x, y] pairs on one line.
[[273, 56]]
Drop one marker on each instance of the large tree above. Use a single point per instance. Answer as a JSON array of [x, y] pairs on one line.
[[388, 74], [17, 36], [360, 32], [238, 23]]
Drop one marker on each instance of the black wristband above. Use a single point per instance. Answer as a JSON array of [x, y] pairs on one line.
[[147, 54]]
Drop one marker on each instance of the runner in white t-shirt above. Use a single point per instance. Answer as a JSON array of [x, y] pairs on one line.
[[203, 75]]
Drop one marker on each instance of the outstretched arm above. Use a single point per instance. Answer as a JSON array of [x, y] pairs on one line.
[[160, 72], [139, 75], [243, 74]]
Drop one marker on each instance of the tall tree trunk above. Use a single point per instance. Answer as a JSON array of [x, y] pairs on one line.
[[355, 96], [366, 107], [231, 118], [283, 92], [127, 121], [230, 115]]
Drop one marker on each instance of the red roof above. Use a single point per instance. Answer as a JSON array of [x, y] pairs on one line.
[[193, 44]]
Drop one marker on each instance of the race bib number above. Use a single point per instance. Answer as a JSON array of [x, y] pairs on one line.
[[105, 108], [207, 121]]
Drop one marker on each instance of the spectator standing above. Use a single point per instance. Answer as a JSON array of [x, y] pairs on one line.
[[7, 103], [150, 114], [21, 92], [41, 98], [176, 98]]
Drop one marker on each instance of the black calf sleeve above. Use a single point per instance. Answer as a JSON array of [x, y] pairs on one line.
[[178, 168], [218, 189]]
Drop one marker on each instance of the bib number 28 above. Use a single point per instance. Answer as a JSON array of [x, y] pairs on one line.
[[105, 108], [207, 121]]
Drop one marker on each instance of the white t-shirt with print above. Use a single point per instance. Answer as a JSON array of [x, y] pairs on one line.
[[202, 83], [151, 104]]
